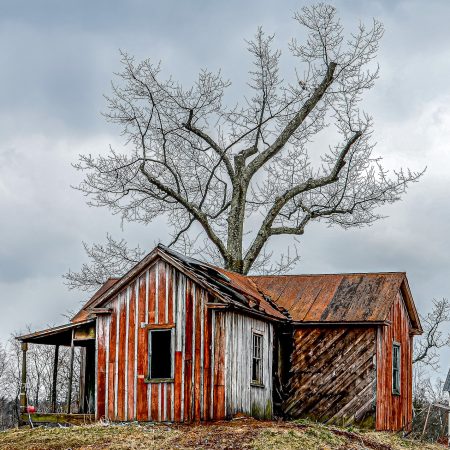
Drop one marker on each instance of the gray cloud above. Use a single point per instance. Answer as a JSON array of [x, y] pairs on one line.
[[57, 61]]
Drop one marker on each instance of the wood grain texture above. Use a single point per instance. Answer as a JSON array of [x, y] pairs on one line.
[[131, 352], [241, 395], [142, 360], [333, 374], [121, 359]]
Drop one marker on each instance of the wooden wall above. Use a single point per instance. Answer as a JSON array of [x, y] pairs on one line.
[[333, 374], [241, 395], [394, 412], [160, 295]]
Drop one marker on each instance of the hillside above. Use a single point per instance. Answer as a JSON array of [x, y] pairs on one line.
[[237, 434]]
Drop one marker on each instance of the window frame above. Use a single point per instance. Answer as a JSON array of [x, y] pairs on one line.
[[396, 370], [260, 358], [155, 329]]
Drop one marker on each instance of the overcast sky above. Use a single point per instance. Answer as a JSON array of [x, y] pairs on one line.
[[57, 61]]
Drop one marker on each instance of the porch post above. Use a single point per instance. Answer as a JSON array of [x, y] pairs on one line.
[[55, 375], [23, 385], [69, 394]]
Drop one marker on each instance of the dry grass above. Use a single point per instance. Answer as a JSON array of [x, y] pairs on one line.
[[236, 434]]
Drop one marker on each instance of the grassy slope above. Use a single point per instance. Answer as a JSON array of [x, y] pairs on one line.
[[237, 434]]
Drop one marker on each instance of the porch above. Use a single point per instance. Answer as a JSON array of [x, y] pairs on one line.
[[76, 411]]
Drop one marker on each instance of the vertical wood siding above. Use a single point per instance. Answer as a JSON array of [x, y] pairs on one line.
[[241, 396], [394, 412], [161, 295], [333, 374]]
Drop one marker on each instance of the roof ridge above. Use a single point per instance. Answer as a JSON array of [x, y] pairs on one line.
[[325, 274]]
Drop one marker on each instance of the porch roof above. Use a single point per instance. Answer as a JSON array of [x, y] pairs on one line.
[[60, 335]]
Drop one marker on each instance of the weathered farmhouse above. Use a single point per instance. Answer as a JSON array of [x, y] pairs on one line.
[[176, 339]]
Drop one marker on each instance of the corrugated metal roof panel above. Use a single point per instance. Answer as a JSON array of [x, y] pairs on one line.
[[333, 298]]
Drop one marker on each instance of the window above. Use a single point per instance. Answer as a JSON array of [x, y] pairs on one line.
[[396, 368], [160, 354], [257, 368]]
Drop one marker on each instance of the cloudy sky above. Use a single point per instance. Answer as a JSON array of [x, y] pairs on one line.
[[57, 61]]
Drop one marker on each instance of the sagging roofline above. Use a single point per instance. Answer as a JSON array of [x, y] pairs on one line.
[[233, 298]]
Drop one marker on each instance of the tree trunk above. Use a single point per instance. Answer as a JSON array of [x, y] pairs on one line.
[[236, 219]]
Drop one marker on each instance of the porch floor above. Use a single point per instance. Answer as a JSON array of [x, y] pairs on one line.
[[61, 418]]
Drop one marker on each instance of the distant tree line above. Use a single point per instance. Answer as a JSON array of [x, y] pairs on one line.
[[39, 379]]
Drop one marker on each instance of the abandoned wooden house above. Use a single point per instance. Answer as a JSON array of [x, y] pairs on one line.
[[176, 339]]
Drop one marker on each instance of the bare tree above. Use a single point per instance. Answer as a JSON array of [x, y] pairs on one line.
[[231, 178], [110, 260], [433, 338], [429, 421]]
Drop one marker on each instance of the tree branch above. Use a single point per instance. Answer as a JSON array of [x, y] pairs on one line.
[[294, 123], [211, 142], [191, 208], [310, 184]]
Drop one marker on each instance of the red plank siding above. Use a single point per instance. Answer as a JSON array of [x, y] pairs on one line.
[[142, 361], [112, 364], [178, 385], [121, 359], [190, 336], [131, 351], [162, 295], [394, 412], [101, 367]]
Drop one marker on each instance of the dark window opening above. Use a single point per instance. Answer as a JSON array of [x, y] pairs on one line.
[[396, 368], [257, 358], [160, 354]]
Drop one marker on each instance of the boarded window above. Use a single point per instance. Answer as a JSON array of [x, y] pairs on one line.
[[396, 368], [257, 363], [160, 354]]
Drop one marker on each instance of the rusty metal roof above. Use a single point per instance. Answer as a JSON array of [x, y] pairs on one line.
[[328, 298], [247, 287], [347, 298]]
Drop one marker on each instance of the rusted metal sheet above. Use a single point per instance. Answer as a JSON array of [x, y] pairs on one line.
[[333, 375], [344, 298], [394, 411]]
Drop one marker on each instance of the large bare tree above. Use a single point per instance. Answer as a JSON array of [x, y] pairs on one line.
[[230, 178]]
